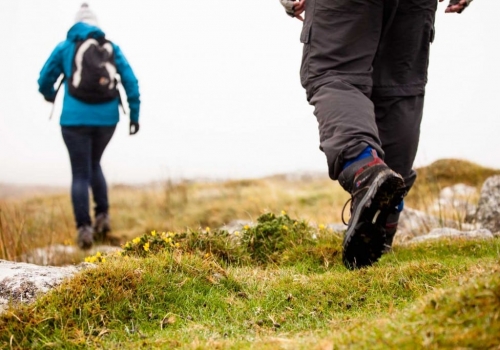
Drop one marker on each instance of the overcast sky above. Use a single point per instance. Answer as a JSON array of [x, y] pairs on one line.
[[221, 96]]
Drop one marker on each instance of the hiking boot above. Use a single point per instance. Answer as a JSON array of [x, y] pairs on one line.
[[391, 227], [375, 191], [85, 237], [101, 226]]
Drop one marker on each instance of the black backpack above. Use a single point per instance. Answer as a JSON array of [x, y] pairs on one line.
[[93, 74]]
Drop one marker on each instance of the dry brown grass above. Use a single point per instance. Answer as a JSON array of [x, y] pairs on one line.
[[41, 220], [27, 223]]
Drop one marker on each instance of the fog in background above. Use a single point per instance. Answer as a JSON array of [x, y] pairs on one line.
[[221, 96]]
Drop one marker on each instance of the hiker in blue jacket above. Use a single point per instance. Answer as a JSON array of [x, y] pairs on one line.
[[88, 124]]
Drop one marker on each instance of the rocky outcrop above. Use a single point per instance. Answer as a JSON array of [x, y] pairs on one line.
[[488, 212], [414, 223], [461, 198], [23, 282]]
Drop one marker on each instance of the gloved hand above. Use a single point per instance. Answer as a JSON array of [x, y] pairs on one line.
[[294, 8], [288, 5], [457, 6], [134, 128], [50, 99]]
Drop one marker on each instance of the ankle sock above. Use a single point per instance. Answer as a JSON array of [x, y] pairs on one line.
[[367, 152]]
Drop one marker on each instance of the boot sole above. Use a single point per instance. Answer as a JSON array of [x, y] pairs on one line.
[[364, 240]]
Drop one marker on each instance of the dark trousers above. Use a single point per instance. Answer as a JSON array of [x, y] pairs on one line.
[[364, 69], [86, 145]]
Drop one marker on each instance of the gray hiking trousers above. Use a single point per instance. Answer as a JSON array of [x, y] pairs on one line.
[[364, 69]]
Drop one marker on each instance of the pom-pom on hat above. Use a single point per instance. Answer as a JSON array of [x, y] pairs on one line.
[[86, 15]]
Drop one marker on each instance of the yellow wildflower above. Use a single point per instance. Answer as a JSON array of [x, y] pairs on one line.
[[322, 227], [90, 259], [103, 260], [207, 229], [153, 233], [285, 227], [246, 227], [98, 254], [146, 246], [283, 212], [236, 233], [136, 240], [177, 245]]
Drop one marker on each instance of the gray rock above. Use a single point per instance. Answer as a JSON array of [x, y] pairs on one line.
[[447, 232], [459, 198], [414, 223], [488, 212], [22, 282], [457, 191]]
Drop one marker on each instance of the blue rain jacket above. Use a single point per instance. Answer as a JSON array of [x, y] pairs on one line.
[[74, 111]]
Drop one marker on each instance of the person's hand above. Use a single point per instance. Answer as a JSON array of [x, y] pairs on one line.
[[294, 8], [134, 128], [457, 6]]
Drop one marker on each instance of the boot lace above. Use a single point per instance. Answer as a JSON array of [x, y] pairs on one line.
[[350, 200]]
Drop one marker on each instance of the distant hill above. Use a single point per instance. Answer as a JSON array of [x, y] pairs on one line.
[[13, 191], [443, 172], [446, 172]]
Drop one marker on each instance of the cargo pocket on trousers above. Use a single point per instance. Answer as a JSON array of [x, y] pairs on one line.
[[432, 34], [305, 38], [305, 34]]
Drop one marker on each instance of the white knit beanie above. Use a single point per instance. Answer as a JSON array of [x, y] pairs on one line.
[[85, 15]]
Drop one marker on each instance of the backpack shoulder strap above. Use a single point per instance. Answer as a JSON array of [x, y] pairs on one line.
[[120, 99]]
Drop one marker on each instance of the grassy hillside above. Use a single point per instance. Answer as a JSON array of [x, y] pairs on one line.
[[182, 283], [279, 284]]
